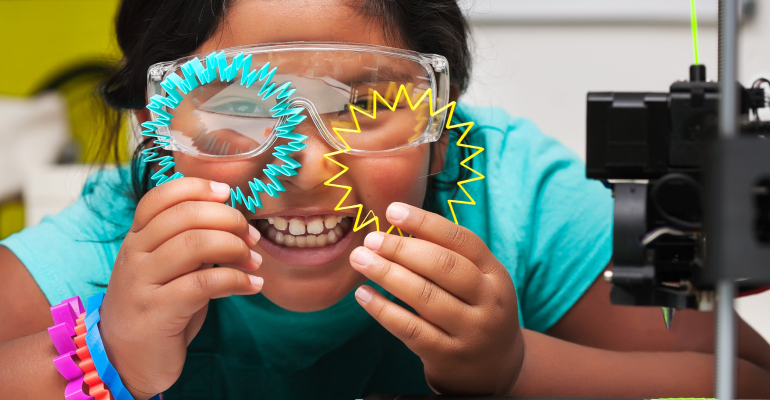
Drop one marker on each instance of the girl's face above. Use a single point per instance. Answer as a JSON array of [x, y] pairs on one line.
[[319, 274]]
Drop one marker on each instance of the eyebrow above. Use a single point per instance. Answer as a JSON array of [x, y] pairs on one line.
[[384, 74], [216, 83]]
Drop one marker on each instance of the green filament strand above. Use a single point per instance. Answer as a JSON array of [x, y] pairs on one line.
[[694, 23]]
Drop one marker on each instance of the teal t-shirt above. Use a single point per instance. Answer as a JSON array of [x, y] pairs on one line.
[[540, 216]]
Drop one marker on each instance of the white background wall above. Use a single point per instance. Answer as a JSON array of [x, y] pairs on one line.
[[542, 69]]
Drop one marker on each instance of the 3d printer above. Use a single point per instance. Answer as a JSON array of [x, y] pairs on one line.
[[690, 173], [653, 150]]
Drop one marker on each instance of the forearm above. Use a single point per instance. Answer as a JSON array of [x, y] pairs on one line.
[[553, 367], [27, 370]]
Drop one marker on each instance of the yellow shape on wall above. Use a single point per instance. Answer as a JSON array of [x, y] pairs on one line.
[[11, 218], [43, 37]]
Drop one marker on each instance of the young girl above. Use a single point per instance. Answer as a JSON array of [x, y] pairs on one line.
[[301, 304]]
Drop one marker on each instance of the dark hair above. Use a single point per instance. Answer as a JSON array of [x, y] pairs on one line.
[[151, 31]]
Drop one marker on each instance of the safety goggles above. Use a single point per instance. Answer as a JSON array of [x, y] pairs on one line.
[[235, 103]]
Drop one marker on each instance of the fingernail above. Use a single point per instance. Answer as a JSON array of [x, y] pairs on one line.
[[362, 257], [254, 233], [256, 257], [258, 282], [363, 295], [374, 240], [219, 187], [397, 212]]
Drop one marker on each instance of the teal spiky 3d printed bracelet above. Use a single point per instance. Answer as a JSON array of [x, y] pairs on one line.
[[194, 72]]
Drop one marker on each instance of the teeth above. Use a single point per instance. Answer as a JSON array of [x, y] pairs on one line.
[[315, 226], [330, 222], [332, 237], [321, 241], [296, 235], [291, 240], [280, 224], [311, 239], [296, 227]]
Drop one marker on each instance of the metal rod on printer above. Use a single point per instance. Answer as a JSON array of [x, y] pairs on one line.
[[728, 68], [726, 336], [726, 340]]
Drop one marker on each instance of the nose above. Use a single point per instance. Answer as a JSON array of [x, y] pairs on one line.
[[315, 169]]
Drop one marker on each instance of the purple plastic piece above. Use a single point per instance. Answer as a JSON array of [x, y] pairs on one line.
[[74, 390], [76, 304], [64, 314], [67, 367], [61, 339]]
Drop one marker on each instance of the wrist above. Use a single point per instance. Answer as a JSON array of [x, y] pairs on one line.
[[120, 362], [518, 361]]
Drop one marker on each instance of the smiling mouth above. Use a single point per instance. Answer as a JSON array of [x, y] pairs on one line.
[[304, 232]]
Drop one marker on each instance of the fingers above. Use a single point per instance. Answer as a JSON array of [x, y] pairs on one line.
[[191, 292], [439, 230], [174, 192], [195, 215], [191, 249], [418, 334], [449, 270], [427, 298]]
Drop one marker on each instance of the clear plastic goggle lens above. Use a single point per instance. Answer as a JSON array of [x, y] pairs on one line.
[[373, 102]]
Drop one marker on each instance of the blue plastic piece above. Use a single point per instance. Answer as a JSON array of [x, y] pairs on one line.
[[93, 303], [104, 368], [194, 72]]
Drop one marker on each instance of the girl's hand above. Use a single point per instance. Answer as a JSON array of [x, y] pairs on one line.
[[162, 280], [467, 331]]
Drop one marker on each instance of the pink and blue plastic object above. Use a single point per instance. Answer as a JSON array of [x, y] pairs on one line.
[[62, 332], [64, 315]]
